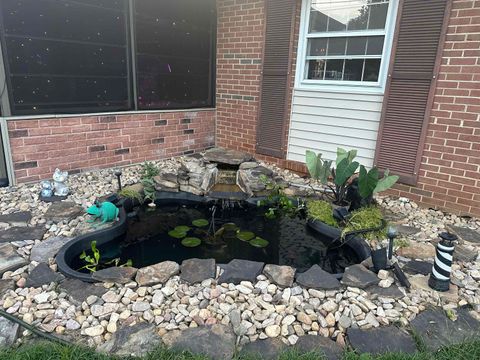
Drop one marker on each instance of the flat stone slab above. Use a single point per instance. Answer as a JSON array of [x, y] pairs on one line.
[[47, 249], [227, 156], [317, 278], [8, 332], [240, 270], [78, 291], [359, 276], [319, 344], [417, 251], [21, 233], [461, 253], [121, 275], [407, 230], [418, 267], [41, 275], [391, 292], [463, 233], [63, 211], [437, 330], [21, 218], [282, 276], [421, 282], [196, 270], [156, 274], [9, 259], [136, 340], [381, 340], [268, 349], [217, 342], [6, 285]]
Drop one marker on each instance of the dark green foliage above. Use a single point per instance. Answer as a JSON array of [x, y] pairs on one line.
[[277, 202]]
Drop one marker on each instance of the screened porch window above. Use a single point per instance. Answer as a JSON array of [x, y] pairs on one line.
[[77, 56], [345, 41]]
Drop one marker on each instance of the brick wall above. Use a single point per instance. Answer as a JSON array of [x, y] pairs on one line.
[[449, 176], [81, 143]]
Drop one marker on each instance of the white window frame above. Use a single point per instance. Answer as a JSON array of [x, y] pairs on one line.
[[344, 86]]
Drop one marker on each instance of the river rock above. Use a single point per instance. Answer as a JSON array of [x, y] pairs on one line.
[[417, 251], [281, 275], [155, 274], [197, 270], [217, 341], [121, 275], [317, 278], [359, 276], [136, 340]]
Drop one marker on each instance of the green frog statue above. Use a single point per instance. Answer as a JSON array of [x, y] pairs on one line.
[[106, 211]]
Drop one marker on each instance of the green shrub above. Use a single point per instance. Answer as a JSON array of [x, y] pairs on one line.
[[131, 194], [369, 217], [322, 211]]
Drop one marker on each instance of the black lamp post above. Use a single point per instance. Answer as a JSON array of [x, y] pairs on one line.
[[391, 234], [118, 174]]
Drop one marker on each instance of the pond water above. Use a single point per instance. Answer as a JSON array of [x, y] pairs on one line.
[[227, 231]]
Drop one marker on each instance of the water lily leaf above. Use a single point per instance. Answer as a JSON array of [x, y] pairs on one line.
[[259, 242], [191, 242], [177, 234], [230, 227], [245, 235], [200, 222], [182, 228]]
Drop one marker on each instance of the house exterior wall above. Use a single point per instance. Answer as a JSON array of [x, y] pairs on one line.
[[449, 176], [80, 143]]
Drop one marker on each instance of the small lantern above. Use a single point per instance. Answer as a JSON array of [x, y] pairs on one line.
[[391, 234], [442, 268], [118, 174]]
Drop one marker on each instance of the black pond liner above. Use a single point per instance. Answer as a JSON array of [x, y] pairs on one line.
[[76, 246]]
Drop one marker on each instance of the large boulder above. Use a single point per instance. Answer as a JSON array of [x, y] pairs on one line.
[[157, 274]]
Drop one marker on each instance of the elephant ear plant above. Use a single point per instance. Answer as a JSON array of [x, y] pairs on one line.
[[338, 179]]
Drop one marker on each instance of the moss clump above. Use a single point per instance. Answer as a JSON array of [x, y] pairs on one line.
[[322, 211], [131, 194], [364, 218]]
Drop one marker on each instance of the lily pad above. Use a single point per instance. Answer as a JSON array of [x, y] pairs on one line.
[[177, 234], [200, 222], [182, 228], [259, 242], [191, 242], [230, 227], [245, 235]]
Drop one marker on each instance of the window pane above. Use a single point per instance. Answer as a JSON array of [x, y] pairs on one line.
[[317, 47], [378, 16], [318, 21], [375, 45], [67, 56], [334, 70], [316, 69], [175, 45], [358, 18], [353, 70], [372, 69], [336, 46], [337, 20], [356, 45]]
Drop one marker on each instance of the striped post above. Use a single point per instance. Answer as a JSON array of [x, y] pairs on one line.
[[442, 268]]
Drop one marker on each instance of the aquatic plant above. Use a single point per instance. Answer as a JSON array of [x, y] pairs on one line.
[[200, 223], [259, 242], [94, 261], [276, 202], [131, 194], [191, 242], [149, 170], [365, 218], [322, 211]]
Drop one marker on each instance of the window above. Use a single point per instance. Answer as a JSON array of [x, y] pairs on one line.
[[345, 41], [71, 56]]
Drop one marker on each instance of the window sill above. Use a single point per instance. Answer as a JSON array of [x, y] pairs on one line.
[[346, 89], [136, 112]]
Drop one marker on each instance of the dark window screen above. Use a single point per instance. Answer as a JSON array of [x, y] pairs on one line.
[[66, 56], [175, 44]]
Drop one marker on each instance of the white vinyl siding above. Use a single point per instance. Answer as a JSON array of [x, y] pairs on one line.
[[323, 121]]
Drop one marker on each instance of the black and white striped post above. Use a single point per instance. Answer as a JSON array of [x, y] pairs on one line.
[[442, 268]]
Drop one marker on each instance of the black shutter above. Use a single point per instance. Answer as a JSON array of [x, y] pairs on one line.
[[410, 89], [272, 122]]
